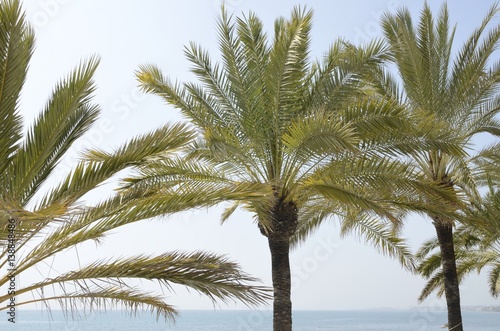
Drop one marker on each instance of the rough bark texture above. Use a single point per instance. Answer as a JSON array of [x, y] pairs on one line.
[[282, 304], [451, 287], [284, 224]]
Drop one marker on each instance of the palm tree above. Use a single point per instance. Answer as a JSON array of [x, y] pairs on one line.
[[284, 138], [38, 224], [458, 95]]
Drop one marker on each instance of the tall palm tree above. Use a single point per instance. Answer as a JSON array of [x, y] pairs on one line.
[[458, 94], [38, 224], [280, 136]]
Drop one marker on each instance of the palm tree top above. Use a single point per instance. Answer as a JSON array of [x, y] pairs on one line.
[[458, 91], [275, 79]]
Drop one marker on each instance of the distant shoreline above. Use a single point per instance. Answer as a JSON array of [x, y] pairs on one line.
[[465, 308]]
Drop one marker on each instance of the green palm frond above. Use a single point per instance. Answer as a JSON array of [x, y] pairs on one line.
[[16, 47], [153, 81], [214, 95], [470, 76], [426, 248], [487, 171], [94, 223], [379, 179], [332, 191], [288, 63], [165, 174], [319, 134], [67, 116], [228, 211], [381, 236], [494, 280], [98, 166], [209, 274], [432, 265], [310, 218], [103, 298], [344, 76], [434, 284], [164, 141], [467, 263]]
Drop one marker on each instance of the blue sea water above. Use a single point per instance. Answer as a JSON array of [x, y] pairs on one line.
[[363, 320]]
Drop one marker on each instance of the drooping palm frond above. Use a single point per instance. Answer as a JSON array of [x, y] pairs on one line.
[[109, 297], [381, 236], [93, 223], [370, 186], [212, 275]]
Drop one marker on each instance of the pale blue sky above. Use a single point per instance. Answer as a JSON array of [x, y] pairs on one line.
[[329, 273]]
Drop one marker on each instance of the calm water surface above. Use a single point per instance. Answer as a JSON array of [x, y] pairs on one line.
[[363, 320]]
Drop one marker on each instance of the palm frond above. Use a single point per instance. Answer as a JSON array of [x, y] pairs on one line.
[[435, 283], [104, 298], [212, 275], [16, 48], [469, 67], [311, 216], [426, 248], [97, 166], [67, 116], [494, 280], [381, 236]]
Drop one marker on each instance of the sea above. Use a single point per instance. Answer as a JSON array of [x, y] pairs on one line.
[[252, 320]]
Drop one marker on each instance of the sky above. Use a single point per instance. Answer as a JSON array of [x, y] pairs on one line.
[[329, 273]]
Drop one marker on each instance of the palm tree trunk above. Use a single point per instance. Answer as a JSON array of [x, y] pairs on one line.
[[451, 287], [283, 226], [282, 305]]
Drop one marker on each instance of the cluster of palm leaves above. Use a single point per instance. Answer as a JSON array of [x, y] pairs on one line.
[[38, 224], [367, 136]]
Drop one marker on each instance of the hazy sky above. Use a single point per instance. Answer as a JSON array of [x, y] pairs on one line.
[[328, 272]]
